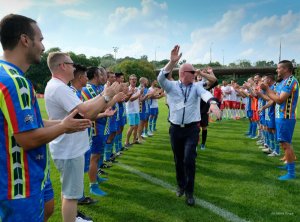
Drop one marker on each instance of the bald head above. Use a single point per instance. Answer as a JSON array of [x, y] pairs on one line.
[[186, 67], [187, 73]]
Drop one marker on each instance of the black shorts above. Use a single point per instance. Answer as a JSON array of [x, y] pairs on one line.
[[204, 120]]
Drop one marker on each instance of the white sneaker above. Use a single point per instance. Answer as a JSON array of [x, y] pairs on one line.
[[264, 147], [267, 150], [259, 142], [150, 133], [144, 135], [273, 154], [79, 219]]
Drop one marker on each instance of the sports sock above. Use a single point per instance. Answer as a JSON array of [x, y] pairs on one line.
[[204, 136], [108, 151]]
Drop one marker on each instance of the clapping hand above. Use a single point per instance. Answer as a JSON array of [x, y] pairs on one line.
[[120, 97], [112, 90], [263, 86], [72, 125]]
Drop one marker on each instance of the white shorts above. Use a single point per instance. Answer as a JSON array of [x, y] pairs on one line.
[[71, 176]]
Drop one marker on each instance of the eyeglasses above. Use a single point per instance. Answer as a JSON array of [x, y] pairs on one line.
[[69, 63], [193, 71]]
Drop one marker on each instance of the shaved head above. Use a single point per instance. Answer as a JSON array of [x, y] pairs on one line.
[[187, 73], [186, 67]]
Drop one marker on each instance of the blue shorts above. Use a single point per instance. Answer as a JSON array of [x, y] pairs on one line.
[[48, 191], [249, 113], [134, 119], [98, 144], [262, 120], [285, 129], [144, 116], [271, 123], [153, 111], [119, 122], [24, 209], [87, 157], [113, 125], [123, 120]]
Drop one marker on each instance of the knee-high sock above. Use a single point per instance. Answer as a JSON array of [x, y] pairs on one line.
[[291, 168], [250, 128], [276, 144], [108, 150], [271, 140], [254, 129], [116, 143], [101, 157], [151, 123], [266, 138], [154, 123], [120, 141], [204, 136]]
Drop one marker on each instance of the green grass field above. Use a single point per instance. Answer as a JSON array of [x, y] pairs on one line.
[[232, 173]]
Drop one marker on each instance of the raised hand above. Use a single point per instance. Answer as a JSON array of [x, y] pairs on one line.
[[72, 125], [209, 70], [175, 56]]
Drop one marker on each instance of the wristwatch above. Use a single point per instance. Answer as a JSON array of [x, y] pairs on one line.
[[106, 98]]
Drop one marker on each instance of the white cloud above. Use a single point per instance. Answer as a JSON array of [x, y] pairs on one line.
[[67, 2], [149, 16], [14, 6], [201, 39], [77, 14], [269, 26], [247, 53]]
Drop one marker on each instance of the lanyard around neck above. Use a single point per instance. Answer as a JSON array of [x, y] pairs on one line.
[[187, 92]]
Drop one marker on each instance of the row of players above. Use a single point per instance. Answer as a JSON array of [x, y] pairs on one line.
[[140, 108]]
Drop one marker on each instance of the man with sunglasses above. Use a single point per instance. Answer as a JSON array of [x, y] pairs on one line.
[[68, 150], [184, 99]]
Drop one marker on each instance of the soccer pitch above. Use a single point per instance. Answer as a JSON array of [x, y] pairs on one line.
[[232, 174]]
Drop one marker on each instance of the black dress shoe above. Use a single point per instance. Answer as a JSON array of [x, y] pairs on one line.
[[179, 192], [190, 200]]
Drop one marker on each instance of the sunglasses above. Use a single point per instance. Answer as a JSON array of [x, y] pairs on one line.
[[193, 71], [69, 63]]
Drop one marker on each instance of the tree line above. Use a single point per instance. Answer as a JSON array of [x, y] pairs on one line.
[[40, 74]]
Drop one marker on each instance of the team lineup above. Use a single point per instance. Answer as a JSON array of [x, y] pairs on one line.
[[88, 108]]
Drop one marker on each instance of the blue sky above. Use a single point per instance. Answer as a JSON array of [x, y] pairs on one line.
[[235, 29]]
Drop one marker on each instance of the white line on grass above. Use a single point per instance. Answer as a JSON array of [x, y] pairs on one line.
[[217, 210]]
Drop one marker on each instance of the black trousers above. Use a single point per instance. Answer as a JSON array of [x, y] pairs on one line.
[[184, 142]]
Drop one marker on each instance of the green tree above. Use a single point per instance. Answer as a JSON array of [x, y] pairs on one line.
[[244, 63], [108, 61], [141, 68], [144, 57], [232, 64], [39, 74], [214, 64], [264, 63], [297, 73]]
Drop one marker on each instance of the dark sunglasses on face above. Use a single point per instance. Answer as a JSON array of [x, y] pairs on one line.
[[193, 71], [69, 63]]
